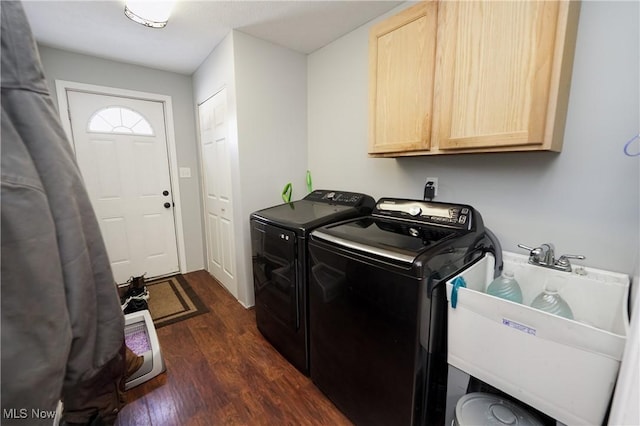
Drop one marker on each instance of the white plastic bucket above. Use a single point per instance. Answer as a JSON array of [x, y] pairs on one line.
[[481, 408]]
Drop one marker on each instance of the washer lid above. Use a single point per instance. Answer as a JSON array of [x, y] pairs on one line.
[[481, 408], [397, 240]]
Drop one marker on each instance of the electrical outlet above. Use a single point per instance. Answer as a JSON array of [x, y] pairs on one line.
[[435, 185]]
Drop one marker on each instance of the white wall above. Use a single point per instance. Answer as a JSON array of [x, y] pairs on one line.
[[267, 99], [272, 120], [585, 200], [62, 65], [215, 73], [271, 84]]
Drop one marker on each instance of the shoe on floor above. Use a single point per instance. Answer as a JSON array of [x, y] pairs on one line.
[[135, 297], [133, 363]]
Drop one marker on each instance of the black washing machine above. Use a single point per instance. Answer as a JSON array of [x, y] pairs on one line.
[[280, 275], [378, 307]]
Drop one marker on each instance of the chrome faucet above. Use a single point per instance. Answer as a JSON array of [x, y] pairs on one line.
[[544, 256]]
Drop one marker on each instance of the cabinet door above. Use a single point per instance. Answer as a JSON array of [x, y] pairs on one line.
[[499, 72], [401, 75]]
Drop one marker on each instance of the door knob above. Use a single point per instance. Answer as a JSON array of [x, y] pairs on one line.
[[165, 192], [167, 205]]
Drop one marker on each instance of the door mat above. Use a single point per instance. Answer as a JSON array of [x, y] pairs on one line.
[[172, 300]]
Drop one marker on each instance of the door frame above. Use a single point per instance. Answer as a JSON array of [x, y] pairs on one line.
[[62, 86]]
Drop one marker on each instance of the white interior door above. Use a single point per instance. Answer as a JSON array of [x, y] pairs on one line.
[[120, 145], [218, 207]]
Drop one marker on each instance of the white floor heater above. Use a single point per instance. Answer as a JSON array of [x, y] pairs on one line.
[[140, 336]]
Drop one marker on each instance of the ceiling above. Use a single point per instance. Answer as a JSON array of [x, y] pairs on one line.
[[100, 28]]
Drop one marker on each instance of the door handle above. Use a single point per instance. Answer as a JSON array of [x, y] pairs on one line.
[[167, 205]]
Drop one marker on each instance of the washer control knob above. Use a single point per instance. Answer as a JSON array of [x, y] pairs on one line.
[[415, 210], [414, 232]]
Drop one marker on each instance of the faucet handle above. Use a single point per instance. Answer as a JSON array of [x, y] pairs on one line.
[[522, 246], [563, 261], [535, 253]]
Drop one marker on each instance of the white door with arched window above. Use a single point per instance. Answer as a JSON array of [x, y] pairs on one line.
[[121, 148]]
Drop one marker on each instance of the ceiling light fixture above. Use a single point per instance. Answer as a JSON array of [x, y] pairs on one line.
[[150, 13]]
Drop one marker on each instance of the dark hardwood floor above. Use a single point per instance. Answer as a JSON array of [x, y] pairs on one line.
[[221, 371]]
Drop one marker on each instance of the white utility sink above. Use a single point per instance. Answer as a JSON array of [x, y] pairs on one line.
[[564, 368]]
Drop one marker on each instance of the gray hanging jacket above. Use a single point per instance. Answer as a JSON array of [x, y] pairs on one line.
[[61, 315]]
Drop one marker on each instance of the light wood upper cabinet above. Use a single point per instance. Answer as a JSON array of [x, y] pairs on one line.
[[499, 80], [402, 54]]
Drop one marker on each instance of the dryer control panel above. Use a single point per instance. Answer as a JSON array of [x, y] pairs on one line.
[[353, 199]]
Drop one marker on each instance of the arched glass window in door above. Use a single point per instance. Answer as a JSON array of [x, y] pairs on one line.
[[115, 119]]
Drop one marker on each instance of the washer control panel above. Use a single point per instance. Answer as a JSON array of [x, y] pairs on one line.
[[448, 215]]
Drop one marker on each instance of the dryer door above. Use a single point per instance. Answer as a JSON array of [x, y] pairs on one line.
[[274, 273]]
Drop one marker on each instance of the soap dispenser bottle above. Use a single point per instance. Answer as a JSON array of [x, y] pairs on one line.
[[506, 287]]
